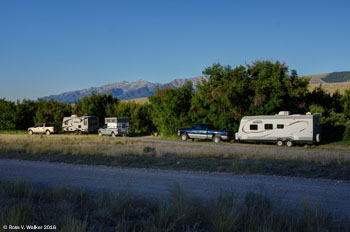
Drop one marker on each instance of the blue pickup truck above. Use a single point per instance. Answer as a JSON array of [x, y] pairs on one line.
[[204, 131]]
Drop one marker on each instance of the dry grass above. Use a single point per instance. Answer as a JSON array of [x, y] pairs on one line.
[[73, 210], [332, 87], [140, 100], [121, 146], [199, 156]]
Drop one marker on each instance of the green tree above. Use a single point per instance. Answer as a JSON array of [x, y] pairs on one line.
[[140, 116], [51, 112], [25, 113], [7, 115], [95, 105], [171, 107], [346, 102], [223, 100]]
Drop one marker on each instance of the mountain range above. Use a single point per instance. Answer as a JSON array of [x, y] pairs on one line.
[[139, 89], [123, 90]]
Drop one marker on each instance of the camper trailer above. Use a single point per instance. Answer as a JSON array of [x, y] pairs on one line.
[[283, 129], [80, 124]]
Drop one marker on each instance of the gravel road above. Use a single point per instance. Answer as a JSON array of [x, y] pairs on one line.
[[332, 195]]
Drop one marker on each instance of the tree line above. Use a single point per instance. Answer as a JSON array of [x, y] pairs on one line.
[[260, 88]]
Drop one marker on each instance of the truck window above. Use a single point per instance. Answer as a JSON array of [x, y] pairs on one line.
[[253, 127], [197, 127], [280, 126], [211, 127], [268, 126]]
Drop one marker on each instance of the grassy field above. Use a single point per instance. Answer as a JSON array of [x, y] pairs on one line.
[[332, 87], [126, 152], [69, 209], [140, 100]]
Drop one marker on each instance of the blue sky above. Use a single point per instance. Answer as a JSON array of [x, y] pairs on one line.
[[49, 47]]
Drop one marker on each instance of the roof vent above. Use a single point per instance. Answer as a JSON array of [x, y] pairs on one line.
[[284, 113]]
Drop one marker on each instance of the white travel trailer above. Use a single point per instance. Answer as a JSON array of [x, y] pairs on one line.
[[282, 128], [80, 124]]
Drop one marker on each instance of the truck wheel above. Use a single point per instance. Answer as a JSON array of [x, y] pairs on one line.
[[100, 133], [279, 143], [216, 139], [289, 143], [30, 132], [113, 135], [184, 137], [47, 132]]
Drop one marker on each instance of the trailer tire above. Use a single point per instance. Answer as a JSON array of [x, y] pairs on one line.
[[113, 135], [100, 133], [280, 143], [289, 143], [30, 132], [184, 137], [47, 132], [217, 139]]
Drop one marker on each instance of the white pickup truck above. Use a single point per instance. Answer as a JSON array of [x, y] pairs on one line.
[[41, 128]]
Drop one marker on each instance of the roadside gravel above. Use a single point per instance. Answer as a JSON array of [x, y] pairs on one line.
[[333, 196]]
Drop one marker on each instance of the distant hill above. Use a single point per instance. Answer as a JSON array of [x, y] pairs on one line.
[[123, 90], [333, 77]]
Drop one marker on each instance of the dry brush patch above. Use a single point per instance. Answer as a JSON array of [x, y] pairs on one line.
[[122, 151], [75, 210]]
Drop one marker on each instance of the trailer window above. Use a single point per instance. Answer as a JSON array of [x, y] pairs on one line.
[[268, 126], [280, 126], [253, 127]]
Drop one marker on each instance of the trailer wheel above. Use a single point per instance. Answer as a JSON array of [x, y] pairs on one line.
[[184, 137], [279, 143], [113, 135], [217, 139], [100, 133], [30, 132], [289, 143], [47, 132]]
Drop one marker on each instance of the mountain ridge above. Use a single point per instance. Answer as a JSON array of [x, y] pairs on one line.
[[123, 90]]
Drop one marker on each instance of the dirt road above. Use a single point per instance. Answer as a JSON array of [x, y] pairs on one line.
[[332, 195]]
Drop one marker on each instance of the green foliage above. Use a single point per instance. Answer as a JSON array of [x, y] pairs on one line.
[[140, 116], [171, 107], [346, 102], [51, 112], [95, 105], [261, 88], [25, 112], [7, 115]]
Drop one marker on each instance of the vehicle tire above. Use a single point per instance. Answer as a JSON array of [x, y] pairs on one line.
[[289, 143], [30, 132], [47, 132], [100, 133], [184, 137], [113, 135], [279, 143], [217, 139]]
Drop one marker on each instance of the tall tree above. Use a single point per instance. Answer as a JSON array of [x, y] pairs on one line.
[[7, 115], [171, 107], [96, 105]]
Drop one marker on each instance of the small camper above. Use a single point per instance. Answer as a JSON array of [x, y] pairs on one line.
[[115, 126], [283, 129], [80, 124]]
